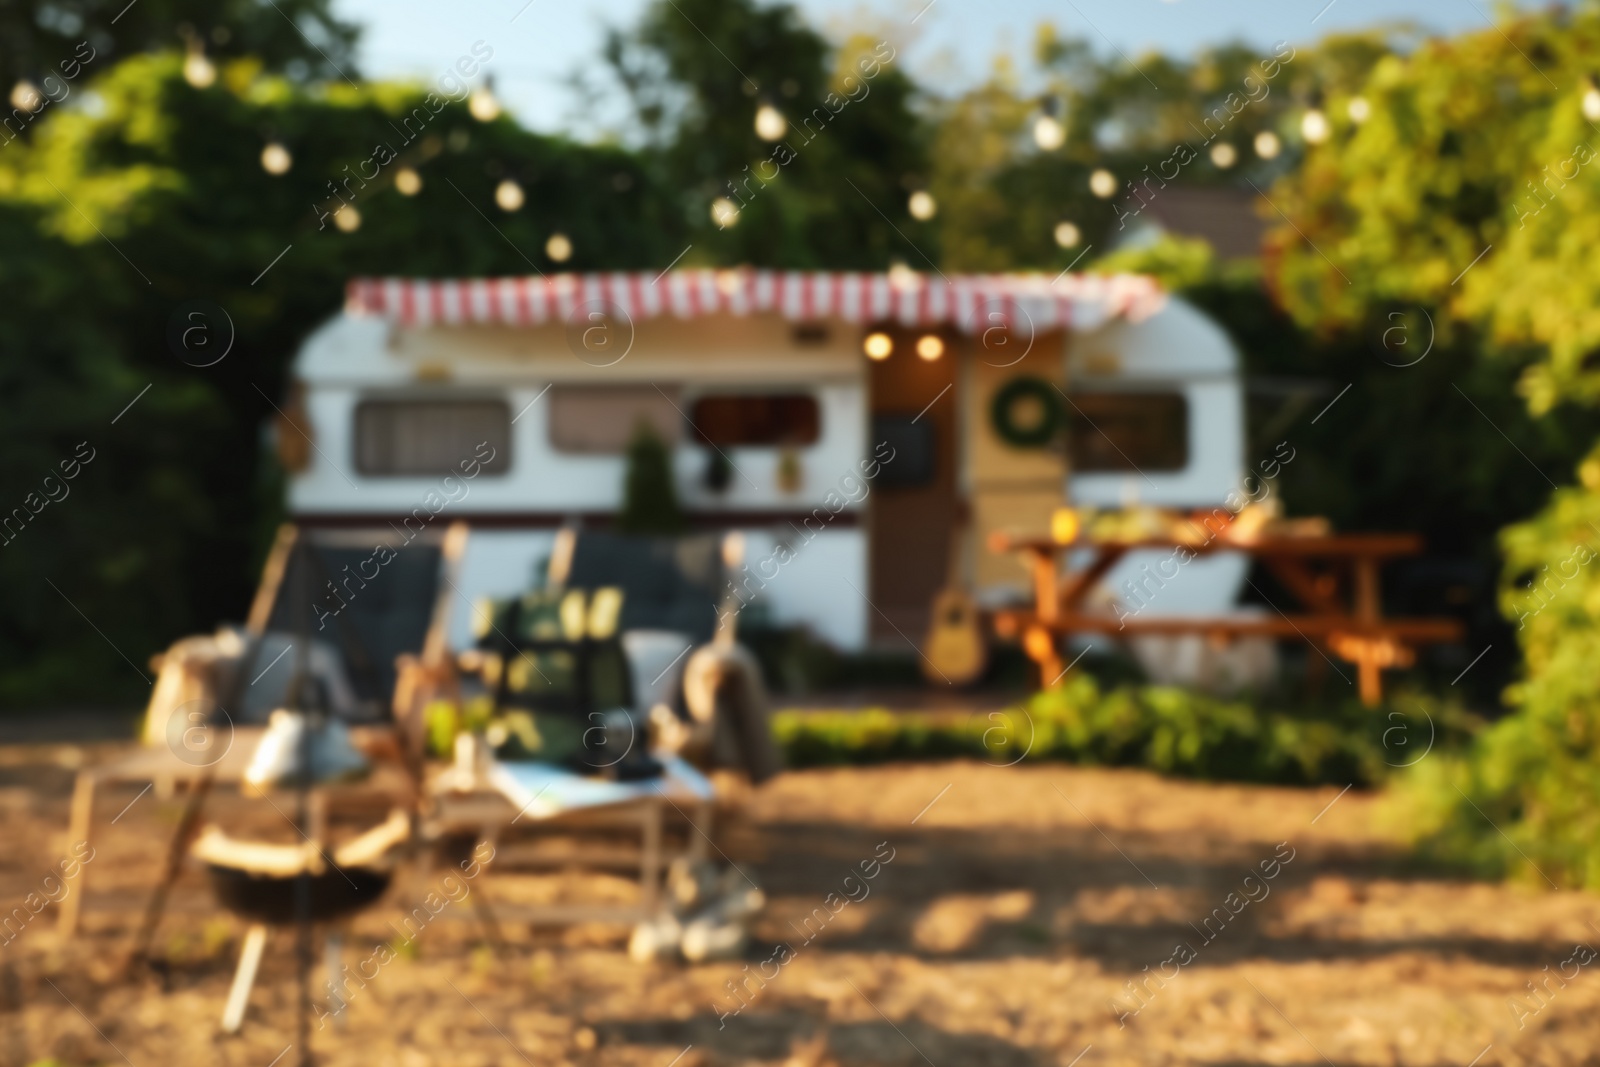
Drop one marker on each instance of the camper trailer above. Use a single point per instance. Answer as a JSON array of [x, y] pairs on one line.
[[864, 432]]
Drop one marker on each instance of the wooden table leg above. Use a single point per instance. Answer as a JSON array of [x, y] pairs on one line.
[[1369, 608], [1046, 585], [81, 828], [650, 858], [699, 844], [1040, 645], [1369, 679]]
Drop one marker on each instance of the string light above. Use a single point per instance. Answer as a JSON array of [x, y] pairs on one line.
[[482, 105], [930, 346], [275, 159], [902, 278], [770, 123], [1314, 126], [922, 206], [347, 219], [1224, 155], [508, 194], [197, 69], [1267, 144], [1048, 133], [1591, 99], [407, 182], [25, 96], [877, 346], [1103, 183], [724, 212], [558, 248], [1067, 235]]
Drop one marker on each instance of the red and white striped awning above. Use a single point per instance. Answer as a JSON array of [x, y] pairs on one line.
[[970, 303]]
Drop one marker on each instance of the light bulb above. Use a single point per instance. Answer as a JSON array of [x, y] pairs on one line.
[[1224, 155], [558, 248], [482, 105], [275, 159], [1591, 102], [198, 71], [724, 212], [930, 347], [347, 218], [25, 96], [1267, 144], [1048, 133], [770, 123], [922, 206], [1358, 109], [877, 346], [1067, 235], [1314, 126], [1103, 183], [508, 194], [407, 182]]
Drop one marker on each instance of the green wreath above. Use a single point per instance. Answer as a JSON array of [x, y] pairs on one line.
[[1023, 432]]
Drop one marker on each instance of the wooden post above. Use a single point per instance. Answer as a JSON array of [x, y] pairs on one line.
[[81, 829]]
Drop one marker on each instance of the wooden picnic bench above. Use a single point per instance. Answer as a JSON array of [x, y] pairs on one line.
[[1334, 578]]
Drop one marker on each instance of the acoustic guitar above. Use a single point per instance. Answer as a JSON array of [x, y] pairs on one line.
[[955, 652]]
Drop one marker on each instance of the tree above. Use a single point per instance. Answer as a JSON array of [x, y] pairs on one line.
[[1467, 199], [828, 187], [1004, 188], [115, 222], [302, 37]]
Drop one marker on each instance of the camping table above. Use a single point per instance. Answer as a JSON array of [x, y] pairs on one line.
[[1315, 570], [553, 799], [161, 769]]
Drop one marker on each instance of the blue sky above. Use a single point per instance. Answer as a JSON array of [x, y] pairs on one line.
[[948, 45]]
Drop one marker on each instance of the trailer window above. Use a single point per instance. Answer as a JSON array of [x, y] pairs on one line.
[[756, 419], [398, 438], [603, 419], [1128, 431]]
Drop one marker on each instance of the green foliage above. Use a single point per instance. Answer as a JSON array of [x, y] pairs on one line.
[[300, 36], [828, 194], [1178, 263], [1474, 141], [1470, 197], [1526, 797], [649, 496], [1169, 730], [114, 218], [1001, 195]]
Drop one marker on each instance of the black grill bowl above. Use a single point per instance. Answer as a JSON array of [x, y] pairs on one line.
[[270, 899]]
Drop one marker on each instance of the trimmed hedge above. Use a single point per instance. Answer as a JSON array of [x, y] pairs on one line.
[[1173, 731]]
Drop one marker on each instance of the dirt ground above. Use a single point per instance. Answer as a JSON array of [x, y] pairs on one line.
[[1008, 911]]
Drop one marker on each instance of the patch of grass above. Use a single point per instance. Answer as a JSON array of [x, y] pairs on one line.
[[1173, 731]]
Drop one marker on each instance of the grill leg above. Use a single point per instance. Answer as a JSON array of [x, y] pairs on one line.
[[255, 940], [332, 959]]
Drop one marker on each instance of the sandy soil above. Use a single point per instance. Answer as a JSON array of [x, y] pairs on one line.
[[1009, 910]]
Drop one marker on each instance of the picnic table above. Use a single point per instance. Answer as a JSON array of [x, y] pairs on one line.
[[1333, 577]]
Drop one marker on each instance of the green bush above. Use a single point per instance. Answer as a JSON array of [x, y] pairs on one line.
[[1165, 729], [1525, 797]]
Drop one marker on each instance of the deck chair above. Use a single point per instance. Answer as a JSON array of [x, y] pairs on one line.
[[676, 586]]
